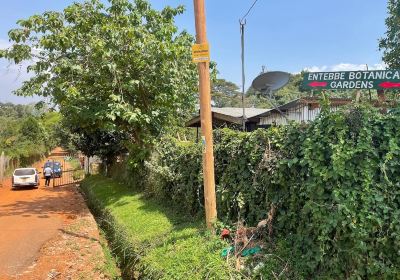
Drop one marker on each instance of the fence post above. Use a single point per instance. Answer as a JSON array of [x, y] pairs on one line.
[[2, 167]]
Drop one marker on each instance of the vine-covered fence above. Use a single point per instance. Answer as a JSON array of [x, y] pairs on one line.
[[335, 185]]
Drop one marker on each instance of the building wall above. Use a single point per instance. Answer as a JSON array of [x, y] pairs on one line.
[[300, 113]]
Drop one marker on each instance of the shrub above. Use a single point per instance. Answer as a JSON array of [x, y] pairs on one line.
[[334, 183]]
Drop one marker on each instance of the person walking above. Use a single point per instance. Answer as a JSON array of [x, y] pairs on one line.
[[48, 172]]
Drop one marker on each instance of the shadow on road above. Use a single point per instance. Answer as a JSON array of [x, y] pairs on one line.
[[43, 202], [19, 189]]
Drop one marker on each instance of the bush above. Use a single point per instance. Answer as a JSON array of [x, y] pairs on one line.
[[334, 183]]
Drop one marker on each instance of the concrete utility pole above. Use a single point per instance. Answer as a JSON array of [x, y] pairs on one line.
[[206, 117]]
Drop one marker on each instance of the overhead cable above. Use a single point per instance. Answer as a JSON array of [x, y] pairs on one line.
[[248, 12]]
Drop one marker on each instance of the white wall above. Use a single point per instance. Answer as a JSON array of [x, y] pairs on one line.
[[300, 113]]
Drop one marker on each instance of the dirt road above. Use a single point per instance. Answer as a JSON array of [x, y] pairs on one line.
[[48, 233]]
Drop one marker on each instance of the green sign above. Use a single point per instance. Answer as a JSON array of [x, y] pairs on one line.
[[378, 79]]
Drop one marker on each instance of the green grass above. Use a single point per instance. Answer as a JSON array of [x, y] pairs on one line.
[[168, 244], [75, 164], [109, 268]]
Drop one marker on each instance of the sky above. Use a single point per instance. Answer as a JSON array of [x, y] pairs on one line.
[[286, 35]]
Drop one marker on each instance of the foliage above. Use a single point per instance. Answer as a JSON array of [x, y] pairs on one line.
[[390, 43], [121, 66], [110, 268], [26, 136], [105, 144], [157, 242], [15, 111], [227, 94], [333, 182]]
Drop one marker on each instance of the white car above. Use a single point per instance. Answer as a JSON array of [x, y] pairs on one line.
[[25, 177]]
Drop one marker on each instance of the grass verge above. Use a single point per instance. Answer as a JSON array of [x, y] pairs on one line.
[[150, 240], [110, 267]]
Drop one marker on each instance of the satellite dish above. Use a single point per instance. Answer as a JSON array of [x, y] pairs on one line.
[[268, 82], [271, 81]]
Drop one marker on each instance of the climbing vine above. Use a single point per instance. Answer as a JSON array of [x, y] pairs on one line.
[[334, 184]]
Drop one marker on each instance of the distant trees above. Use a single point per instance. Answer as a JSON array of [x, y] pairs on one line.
[[26, 135], [11, 110], [390, 44], [227, 94]]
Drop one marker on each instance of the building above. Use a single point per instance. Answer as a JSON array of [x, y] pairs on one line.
[[230, 117], [301, 110]]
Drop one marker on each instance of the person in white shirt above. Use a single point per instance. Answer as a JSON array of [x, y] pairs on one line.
[[47, 174]]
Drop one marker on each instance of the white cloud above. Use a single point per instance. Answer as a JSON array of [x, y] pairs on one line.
[[316, 68], [345, 67]]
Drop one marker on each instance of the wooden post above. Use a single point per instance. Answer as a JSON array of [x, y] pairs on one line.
[[2, 167], [206, 118]]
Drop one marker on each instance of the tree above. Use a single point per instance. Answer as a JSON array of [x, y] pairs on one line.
[[105, 144], [117, 67], [33, 131], [390, 44], [225, 94]]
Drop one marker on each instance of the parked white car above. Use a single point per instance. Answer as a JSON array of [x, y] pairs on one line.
[[25, 177]]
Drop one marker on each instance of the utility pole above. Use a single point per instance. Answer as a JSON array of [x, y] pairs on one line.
[[242, 24], [206, 118]]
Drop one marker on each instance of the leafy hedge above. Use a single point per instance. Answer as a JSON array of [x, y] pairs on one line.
[[334, 183]]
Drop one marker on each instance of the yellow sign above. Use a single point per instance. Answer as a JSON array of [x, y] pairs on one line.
[[201, 53]]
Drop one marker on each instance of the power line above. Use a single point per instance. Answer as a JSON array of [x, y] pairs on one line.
[[248, 12], [242, 23]]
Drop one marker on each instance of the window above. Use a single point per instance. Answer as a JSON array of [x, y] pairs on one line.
[[24, 172]]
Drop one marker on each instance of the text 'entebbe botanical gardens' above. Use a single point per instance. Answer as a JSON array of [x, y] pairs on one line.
[[384, 79]]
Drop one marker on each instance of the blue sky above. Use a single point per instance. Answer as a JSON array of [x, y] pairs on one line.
[[282, 35]]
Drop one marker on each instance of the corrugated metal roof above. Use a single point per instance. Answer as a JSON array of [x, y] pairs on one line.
[[238, 112], [229, 115]]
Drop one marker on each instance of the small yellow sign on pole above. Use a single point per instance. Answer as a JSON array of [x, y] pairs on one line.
[[200, 53]]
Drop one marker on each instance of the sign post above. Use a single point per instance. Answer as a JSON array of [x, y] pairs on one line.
[[378, 79], [201, 56]]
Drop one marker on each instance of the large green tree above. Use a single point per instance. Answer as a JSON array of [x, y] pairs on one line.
[[390, 44], [225, 93], [116, 66]]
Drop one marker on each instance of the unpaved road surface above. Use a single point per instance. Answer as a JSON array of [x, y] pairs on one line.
[[48, 233]]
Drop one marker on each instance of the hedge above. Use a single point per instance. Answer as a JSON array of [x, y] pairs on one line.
[[334, 184]]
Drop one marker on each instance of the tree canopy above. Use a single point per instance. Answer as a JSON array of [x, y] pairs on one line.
[[116, 66], [390, 44]]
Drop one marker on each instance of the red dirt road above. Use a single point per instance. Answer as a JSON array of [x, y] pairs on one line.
[[48, 233]]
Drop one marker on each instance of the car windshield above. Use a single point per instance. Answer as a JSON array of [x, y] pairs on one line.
[[50, 164], [24, 172]]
